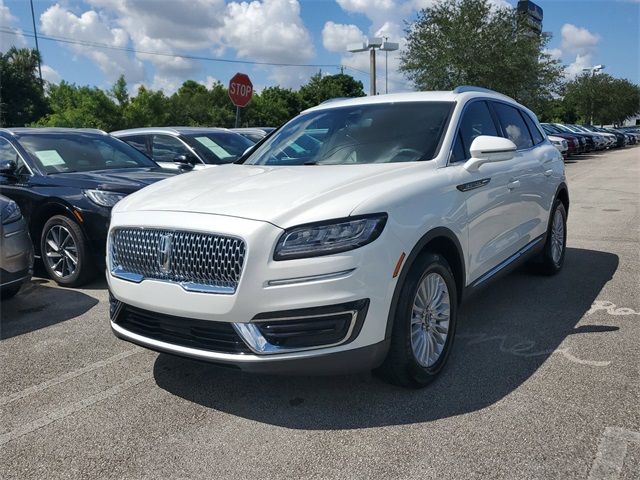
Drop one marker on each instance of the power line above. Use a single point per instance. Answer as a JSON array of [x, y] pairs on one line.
[[71, 41]]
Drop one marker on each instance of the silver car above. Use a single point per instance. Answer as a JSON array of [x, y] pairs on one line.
[[16, 251]]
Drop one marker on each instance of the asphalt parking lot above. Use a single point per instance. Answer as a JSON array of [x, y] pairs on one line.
[[544, 381]]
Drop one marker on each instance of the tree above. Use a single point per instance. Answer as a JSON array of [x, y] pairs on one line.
[[119, 91], [602, 99], [22, 98], [321, 88], [472, 42], [272, 107], [77, 107], [147, 109]]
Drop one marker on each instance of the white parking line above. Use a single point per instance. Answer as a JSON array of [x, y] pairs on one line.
[[72, 408], [68, 376], [611, 452]]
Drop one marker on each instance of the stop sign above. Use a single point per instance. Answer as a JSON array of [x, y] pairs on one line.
[[240, 90]]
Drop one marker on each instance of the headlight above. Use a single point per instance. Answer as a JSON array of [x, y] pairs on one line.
[[326, 238], [10, 213], [104, 198]]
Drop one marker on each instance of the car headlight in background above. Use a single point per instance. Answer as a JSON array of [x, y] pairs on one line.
[[326, 238], [104, 198], [10, 213]]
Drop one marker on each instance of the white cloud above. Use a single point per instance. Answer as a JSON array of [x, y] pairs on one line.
[[50, 74], [578, 65], [578, 40], [7, 19], [554, 53], [265, 30], [337, 36], [269, 30], [91, 27], [583, 44]]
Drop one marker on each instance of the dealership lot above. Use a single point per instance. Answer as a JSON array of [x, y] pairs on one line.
[[544, 381]]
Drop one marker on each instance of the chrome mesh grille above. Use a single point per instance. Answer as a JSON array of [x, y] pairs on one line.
[[196, 259]]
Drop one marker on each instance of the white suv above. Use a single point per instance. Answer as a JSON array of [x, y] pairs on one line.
[[345, 241]]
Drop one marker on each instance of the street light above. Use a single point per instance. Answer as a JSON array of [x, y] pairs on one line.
[[370, 44], [386, 48]]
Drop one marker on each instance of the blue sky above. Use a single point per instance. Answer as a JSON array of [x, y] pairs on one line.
[[585, 33]]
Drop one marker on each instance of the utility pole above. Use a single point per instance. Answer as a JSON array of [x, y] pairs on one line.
[[35, 35]]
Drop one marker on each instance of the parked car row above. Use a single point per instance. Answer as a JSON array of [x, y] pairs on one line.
[[587, 138]]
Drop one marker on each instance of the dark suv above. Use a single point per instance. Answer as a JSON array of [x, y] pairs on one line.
[[65, 182]]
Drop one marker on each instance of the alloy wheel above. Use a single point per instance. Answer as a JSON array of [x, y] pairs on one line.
[[61, 252], [430, 317], [557, 237]]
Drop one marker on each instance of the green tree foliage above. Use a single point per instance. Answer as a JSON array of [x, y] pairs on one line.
[[272, 107], [22, 98], [321, 88], [602, 99], [193, 104], [73, 106], [471, 42], [146, 109]]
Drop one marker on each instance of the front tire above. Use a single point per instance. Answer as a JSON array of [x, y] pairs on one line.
[[424, 324], [552, 256], [64, 252]]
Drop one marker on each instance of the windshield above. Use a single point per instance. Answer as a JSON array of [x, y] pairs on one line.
[[378, 133], [81, 152], [218, 147]]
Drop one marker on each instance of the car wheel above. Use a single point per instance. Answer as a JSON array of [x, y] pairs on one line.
[[424, 324], [64, 252], [552, 256], [9, 292]]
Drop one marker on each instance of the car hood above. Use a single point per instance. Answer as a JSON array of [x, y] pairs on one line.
[[126, 180], [283, 195]]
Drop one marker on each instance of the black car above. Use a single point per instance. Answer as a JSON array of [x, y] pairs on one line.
[[65, 182]]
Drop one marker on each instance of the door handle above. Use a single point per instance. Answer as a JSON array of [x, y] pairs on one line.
[[548, 173], [513, 184]]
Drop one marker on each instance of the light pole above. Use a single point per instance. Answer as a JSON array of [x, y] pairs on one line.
[[370, 44], [386, 48], [35, 35], [593, 70]]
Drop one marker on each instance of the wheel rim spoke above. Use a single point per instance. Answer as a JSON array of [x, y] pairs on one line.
[[61, 253], [430, 319]]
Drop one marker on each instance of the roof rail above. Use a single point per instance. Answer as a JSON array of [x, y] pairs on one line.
[[472, 88]]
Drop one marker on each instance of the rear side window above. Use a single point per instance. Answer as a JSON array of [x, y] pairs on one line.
[[533, 129], [476, 121], [139, 142], [513, 125], [166, 148]]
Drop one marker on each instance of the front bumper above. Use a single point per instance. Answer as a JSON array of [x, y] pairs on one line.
[[227, 345], [268, 290]]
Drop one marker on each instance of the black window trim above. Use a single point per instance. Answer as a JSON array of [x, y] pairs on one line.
[[519, 109], [30, 174], [496, 124]]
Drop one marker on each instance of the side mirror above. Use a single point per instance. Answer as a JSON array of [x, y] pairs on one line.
[[184, 161], [8, 167], [486, 149]]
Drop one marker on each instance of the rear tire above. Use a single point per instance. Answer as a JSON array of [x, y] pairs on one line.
[[552, 256], [64, 252], [424, 324]]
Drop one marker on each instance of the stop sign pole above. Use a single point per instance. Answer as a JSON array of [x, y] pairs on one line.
[[240, 92]]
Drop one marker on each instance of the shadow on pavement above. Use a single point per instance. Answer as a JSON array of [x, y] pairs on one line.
[[505, 334], [39, 305]]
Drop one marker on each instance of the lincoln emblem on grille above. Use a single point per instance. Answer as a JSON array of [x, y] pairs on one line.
[[164, 252]]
